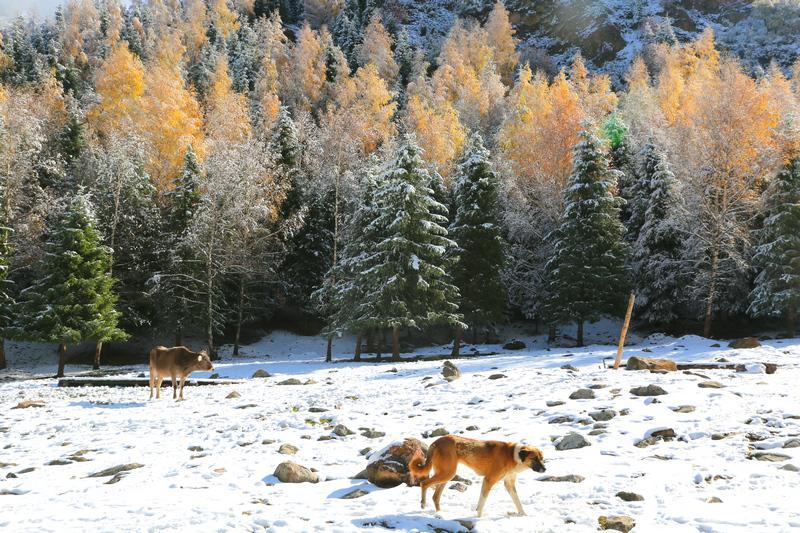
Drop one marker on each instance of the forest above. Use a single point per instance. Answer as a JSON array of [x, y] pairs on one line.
[[198, 167]]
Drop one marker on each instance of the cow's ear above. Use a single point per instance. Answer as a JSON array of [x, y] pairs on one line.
[[199, 358]]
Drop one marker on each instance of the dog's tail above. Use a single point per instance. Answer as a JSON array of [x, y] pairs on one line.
[[420, 466]]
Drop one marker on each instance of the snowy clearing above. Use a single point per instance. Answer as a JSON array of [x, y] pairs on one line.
[[208, 461]]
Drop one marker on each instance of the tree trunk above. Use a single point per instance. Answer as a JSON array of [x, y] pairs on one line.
[[179, 333], [457, 342], [791, 320], [712, 293], [239, 314], [395, 343], [551, 334], [62, 359], [580, 333], [382, 343], [474, 335], [371, 341], [2, 353], [357, 354], [98, 348], [329, 350]]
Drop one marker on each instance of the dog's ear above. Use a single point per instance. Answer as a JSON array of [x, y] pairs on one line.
[[523, 454]]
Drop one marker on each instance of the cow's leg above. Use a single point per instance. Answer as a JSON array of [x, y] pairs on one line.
[[159, 381], [183, 382], [174, 386], [152, 382]]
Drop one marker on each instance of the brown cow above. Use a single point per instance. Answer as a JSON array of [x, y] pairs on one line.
[[174, 362]]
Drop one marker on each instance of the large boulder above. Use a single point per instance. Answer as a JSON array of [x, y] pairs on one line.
[[745, 343], [450, 372], [650, 363], [389, 467], [514, 345], [649, 390], [616, 523], [289, 472]]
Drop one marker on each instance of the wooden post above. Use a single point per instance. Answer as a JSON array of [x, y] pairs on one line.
[[624, 331], [457, 342], [62, 359], [98, 349]]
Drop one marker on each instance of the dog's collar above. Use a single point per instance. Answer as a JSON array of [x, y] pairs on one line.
[[517, 449]]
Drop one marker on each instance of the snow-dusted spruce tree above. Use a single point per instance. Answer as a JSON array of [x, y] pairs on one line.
[[129, 220], [587, 275], [342, 297], [616, 134], [73, 300], [777, 257], [657, 251], [405, 279], [178, 281], [479, 242]]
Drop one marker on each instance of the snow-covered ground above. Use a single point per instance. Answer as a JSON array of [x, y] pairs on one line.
[[208, 462]]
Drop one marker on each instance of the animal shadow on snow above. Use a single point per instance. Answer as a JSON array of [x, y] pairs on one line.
[[420, 522], [367, 487], [114, 405]]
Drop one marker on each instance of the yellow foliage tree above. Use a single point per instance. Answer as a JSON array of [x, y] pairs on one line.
[[376, 48], [227, 118], [119, 84], [436, 124], [500, 35], [224, 19], [172, 120], [303, 75]]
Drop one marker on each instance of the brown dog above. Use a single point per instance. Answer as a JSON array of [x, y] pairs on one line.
[[175, 362], [494, 460]]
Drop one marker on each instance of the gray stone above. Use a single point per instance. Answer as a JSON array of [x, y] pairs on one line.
[[713, 499], [261, 373], [630, 496], [649, 363], [572, 441], [554, 403], [317, 410], [582, 394], [649, 390], [460, 487], [195, 448], [497, 376], [569, 367], [683, 409], [355, 494], [290, 381], [745, 343], [563, 419], [514, 345], [450, 372], [289, 472], [710, 385], [372, 434], [603, 415], [342, 431], [790, 467], [438, 432], [233, 394], [792, 443], [288, 449], [664, 434], [114, 470], [569, 478], [770, 457], [616, 523]]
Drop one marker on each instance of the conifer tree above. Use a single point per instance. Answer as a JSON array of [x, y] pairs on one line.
[[777, 257], [182, 203], [476, 230], [6, 300], [407, 283], [343, 295], [616, 134], [587, 276], [658, 248], [73, 300]]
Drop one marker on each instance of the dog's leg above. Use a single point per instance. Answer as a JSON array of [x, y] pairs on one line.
[[511, 487], [488, 483], [437, 478], [437, 495]]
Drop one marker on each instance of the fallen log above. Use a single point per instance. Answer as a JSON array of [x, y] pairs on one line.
[[135, 382], [738, 367]]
